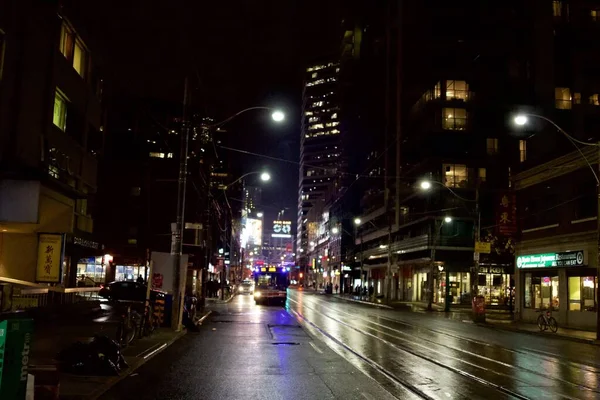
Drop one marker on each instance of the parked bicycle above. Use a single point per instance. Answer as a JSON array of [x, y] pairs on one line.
[[128, 326], [149, 322], [545, 321]]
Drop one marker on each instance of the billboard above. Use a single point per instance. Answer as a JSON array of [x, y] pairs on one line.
[[252, 233], [282, 227], [50, 257]]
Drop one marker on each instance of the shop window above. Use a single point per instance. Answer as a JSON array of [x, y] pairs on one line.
[[594, 100], [541, 292], [562, 98], [455, 175], [492, 146], [522, 150], [582, 290], [457, 90], [454, 119], [59, 117]]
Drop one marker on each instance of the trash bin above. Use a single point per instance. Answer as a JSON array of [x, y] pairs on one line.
[[479, 309], [15, 344]]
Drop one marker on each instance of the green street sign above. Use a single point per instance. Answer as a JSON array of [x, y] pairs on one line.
[[564, 259]]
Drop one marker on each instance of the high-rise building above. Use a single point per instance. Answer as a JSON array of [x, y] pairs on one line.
[[252, 198], [320, 148]]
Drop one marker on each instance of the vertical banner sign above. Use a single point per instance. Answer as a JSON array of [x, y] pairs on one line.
[[50, 255], [506, 219]]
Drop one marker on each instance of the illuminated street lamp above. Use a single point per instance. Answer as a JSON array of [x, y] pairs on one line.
[[447, 219], [335, 230], [278, 116], [259, 215], [265, 177], [357, 221], [520, 120]]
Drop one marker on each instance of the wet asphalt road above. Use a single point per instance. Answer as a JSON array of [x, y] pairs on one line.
[[322, 347]]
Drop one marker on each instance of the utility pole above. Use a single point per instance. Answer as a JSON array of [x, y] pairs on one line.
[[598, 256], [177, 244]]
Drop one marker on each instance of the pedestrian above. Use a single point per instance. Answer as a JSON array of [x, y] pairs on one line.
[[336, 288], [140, 279]]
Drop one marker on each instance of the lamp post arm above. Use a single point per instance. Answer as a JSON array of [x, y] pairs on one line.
[[219, 124], [240, 178], [453, 192]]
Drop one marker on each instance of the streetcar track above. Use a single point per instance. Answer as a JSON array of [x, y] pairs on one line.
[[592, 368], [424, 357], [411, 388], [515, 367]]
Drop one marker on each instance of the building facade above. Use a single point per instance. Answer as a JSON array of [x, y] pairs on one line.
[[51, 133]]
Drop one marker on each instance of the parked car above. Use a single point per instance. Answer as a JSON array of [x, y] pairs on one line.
[[124, 290]]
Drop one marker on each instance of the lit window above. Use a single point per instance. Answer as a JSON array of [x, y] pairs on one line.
[[79, 58], [557, 8], [315, 126], [308, 113], [437, 92], [455, 175], [332, 124], [157, 155], [522, 150], [334, 131], [594, 14], [53, 171], [454, 119], [334, 116], [594, 100], [2, 40], [317, 104], [314, 75], [562, 98], [67, 39], [482, 175], [582, 291], [576, 98], [492, 146], [136, 191], [59, 117], [169, 155], [457, 90], [313, 119]]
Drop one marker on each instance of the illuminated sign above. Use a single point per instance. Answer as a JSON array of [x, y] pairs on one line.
[[49, 261], [284, 227], [272, 269], [263, 269], [281, 235], [252, 232], [564, 259]]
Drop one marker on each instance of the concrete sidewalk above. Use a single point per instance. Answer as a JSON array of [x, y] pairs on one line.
[[464, 314], [50, 337]]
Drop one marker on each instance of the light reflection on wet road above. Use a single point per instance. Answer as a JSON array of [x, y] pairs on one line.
[[441, 358]]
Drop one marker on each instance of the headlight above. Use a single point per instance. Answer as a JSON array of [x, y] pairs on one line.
[[256, 294]]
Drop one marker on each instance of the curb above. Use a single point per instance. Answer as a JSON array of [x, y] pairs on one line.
[[105, 388], [367, 303], [541, 334]]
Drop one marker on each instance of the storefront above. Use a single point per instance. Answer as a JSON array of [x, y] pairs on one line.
[[130, 272], [495, 284], [83, 262], [561, 281]]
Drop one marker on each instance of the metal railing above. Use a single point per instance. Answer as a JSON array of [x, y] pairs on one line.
[[32, 295]]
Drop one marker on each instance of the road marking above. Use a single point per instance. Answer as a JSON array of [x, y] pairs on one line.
[[314, 346], [155, 351], [367, 396]]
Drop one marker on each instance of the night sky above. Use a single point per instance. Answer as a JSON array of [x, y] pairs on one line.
[[237, 54]]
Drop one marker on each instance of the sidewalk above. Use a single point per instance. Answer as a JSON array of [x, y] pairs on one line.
[[50, 337], [463, 314]]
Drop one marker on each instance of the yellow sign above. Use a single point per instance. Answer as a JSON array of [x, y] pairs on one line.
[[263, 269], [272, 269], [483, 247], [49, 258]]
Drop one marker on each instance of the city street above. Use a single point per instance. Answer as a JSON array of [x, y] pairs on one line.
[[258, 352]]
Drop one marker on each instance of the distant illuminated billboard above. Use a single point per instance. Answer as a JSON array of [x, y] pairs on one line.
[[282, 227], [252, 233]]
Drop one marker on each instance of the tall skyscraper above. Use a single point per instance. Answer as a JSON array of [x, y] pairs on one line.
[[320, 146]]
